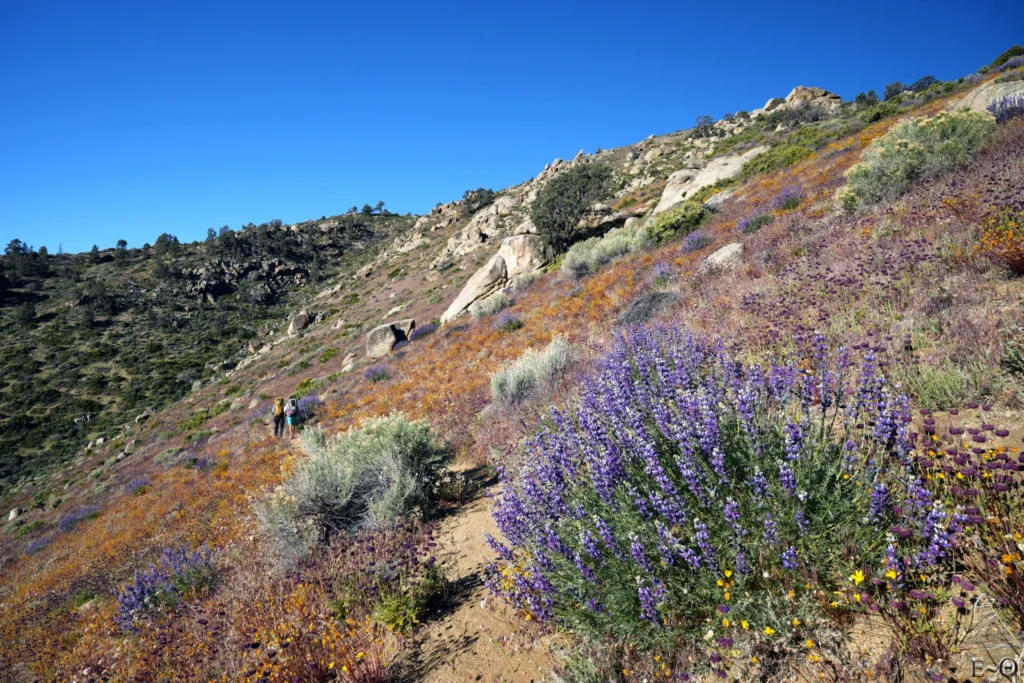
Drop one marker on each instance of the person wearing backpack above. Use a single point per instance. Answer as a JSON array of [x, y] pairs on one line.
[[291, 412], [279, 416]]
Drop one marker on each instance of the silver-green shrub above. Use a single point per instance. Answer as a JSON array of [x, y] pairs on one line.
[[363, 478], [523, 377], [490, 305], [921, 148], [589, 256]]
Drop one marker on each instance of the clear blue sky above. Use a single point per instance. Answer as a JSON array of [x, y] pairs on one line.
[[126, 120]]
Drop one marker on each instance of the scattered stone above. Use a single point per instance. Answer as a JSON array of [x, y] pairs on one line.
[[131, 446], [196, 386], [13, 514], [726, 258]]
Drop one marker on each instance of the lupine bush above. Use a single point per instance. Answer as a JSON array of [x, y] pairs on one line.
[[524, 377], [178, 574], [138, 486], [921, 148], [695, 242], [491, 305], [589, 256], [1007, 107], [308, 407], [788, 199], [661, 274], [376, 373], [681, 220], [507, 322], [690, 496], [363, 478], [71, 520]]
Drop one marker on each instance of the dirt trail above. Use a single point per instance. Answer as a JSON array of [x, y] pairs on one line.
[[475, 638]]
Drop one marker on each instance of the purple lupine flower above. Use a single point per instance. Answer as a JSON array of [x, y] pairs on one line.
[[787, 479], [790, 559], [771, 530], [652, 597], [879, 503]]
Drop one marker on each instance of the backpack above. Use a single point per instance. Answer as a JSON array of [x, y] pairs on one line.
[[293, 407], [279, 407]]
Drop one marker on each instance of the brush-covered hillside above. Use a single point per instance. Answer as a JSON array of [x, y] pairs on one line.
[[740, 401]]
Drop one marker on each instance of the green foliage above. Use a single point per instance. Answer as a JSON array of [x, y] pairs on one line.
[[779, 156], [363, 478], [917, 149], [524, 377], [589, 256], [30, 528], [328, 354], [491, 305], [474, 200], [757, 222], [200, 416], [678, 221], [400, 610], [565, 199], [1015, 51]]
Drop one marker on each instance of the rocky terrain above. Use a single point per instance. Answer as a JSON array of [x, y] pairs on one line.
[[158, 531]]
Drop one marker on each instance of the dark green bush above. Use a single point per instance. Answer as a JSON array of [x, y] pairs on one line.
[[564, 200], [676, 222]]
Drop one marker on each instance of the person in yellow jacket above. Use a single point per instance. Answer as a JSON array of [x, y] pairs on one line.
[[279, 417]]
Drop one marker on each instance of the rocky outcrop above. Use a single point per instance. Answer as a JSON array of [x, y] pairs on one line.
[[726, 258], [492, 277], [518, 255], [979, 98], [804, 96], [383, 338], [686, 182]]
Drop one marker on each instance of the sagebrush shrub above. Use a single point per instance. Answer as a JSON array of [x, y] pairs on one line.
[[491, 305], [916, 149], [691, 497], [522, 378], [681, 220], [363, 478], [587, 257]]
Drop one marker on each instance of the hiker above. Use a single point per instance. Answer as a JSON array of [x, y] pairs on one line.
[[279, 417], [291, 412]]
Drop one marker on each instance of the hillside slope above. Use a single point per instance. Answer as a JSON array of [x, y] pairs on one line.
[[907, 280]]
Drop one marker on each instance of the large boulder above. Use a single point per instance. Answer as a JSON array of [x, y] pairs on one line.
[[300, 321], [804, 96], [979, 98], [726, 258], [486, 281], [686, 182], [523, 254], [383, 338], [13, 514]]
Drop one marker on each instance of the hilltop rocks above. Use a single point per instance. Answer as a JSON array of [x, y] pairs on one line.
[[726, 258], [300, 321], [980, 98], [802, 96], [686, 182], [382, 339]]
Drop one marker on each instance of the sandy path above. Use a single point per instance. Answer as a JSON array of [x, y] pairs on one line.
[[475, 639]]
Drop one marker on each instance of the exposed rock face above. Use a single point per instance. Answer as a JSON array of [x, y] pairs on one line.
[[300, 321], [383, 338], [684, 183], [523, 254], [980, 98], [726, 258], [486, 281]]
